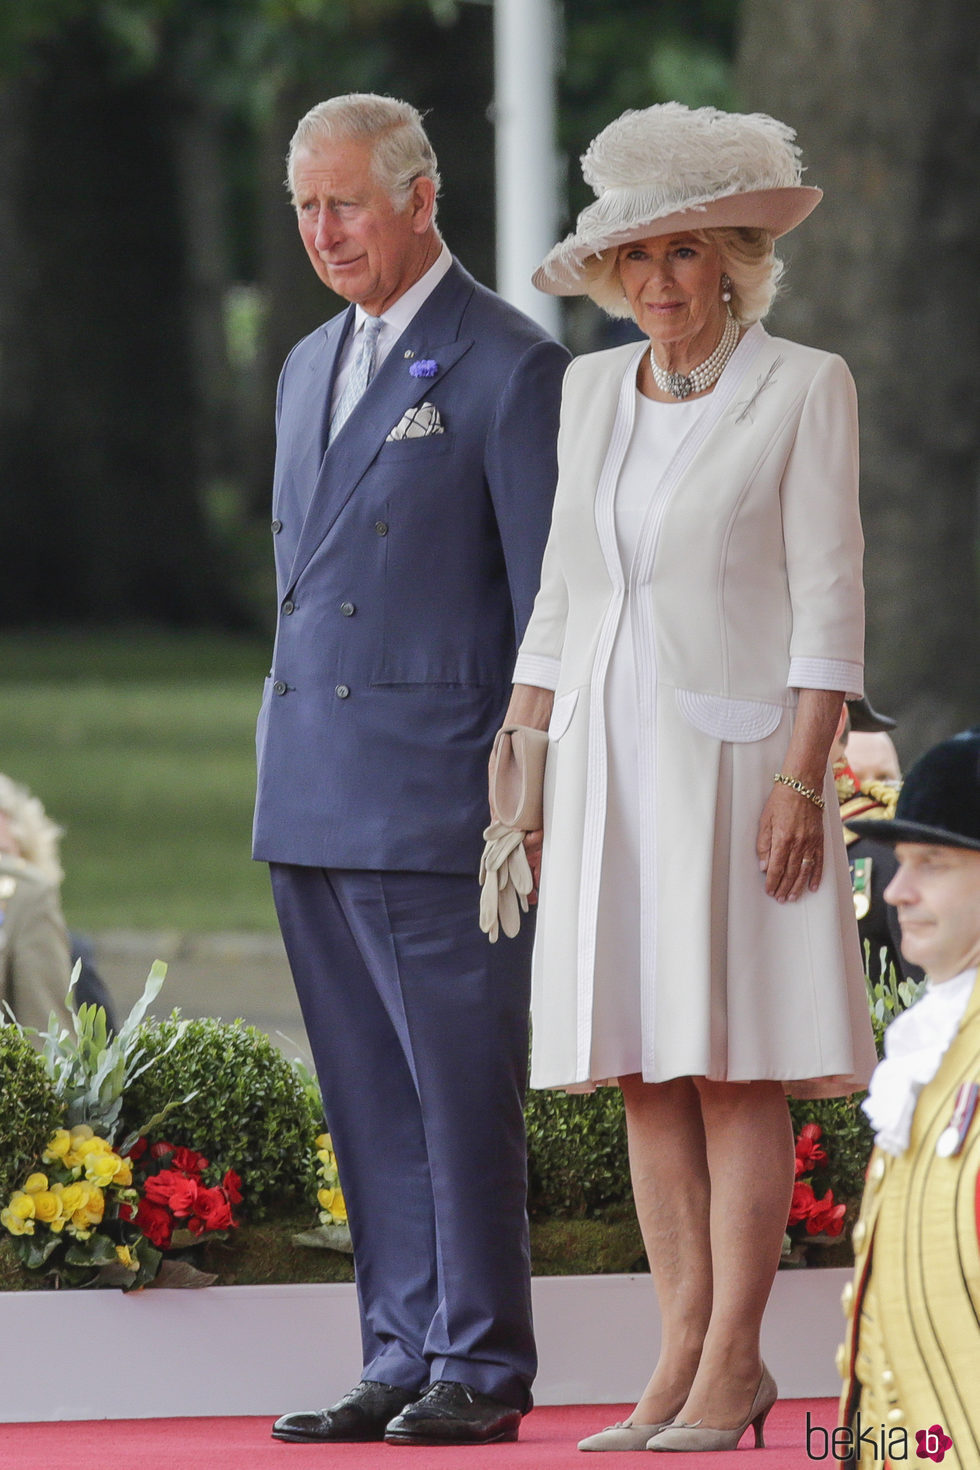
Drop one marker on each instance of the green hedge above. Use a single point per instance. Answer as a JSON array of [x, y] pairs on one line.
[[29, 1111], [251, 1111]]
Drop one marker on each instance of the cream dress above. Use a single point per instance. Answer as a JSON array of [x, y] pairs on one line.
[[658, 429]]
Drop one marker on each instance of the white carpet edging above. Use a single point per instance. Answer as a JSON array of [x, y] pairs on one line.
[[230, 1350]]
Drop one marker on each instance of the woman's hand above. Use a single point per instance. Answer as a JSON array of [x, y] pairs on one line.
[[790, 845], [533, 842]]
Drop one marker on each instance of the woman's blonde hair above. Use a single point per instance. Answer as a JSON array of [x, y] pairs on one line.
[[36, 835]]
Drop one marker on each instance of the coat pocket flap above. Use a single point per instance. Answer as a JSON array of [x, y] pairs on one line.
[[561, 714], [738, 720]]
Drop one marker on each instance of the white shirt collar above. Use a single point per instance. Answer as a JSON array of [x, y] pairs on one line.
[[397, 316], [915, 1044]]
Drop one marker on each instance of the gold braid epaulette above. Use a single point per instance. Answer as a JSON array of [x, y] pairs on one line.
[[873, 800]]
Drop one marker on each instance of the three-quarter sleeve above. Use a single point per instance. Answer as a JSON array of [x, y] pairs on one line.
[[823, 539]]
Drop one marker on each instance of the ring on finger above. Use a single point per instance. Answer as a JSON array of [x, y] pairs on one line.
[[806, 862]]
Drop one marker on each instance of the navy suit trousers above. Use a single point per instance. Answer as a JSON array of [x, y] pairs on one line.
[[419, 1032]]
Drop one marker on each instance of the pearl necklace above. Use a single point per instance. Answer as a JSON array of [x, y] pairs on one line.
[[679, 385]]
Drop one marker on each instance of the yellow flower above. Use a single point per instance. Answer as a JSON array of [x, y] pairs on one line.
[[331, 1201], [36, 1183], [101, 1168], [92, 1208], [18, 1217], [124, 1172], [47, 1206], [58, 1145], [80, 1133], [96, 1145], [324, 1141], [72, 1197], [125, 1258], [81, 1137]]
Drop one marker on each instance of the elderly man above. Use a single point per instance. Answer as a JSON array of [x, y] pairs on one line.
[[911, 1363], [414, 476]]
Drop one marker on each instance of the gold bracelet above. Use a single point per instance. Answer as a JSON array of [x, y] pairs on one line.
[[807, 791]]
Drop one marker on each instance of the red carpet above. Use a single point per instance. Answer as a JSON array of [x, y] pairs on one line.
[[548, 1439]]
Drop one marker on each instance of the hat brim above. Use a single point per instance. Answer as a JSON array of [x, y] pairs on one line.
[[567, 269], [865, 719], [891, 831]]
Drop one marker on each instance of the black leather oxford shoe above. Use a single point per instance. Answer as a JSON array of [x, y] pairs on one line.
[[363, 1414], [452, 1413]]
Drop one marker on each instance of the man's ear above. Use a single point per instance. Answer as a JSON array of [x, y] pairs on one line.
[[422, 202]]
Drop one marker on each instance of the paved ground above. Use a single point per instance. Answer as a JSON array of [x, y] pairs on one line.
[[223, 975]]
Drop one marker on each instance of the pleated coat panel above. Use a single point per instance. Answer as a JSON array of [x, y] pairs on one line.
[[750, 558]]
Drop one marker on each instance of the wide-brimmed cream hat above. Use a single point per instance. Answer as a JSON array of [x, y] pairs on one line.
[[669, 168]]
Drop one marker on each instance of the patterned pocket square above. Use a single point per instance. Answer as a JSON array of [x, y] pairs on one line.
[[418, 423]]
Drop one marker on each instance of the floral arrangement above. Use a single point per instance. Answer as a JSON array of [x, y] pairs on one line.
[[329, 1196], [812, 1220], [177, 1206], [86, 1219]]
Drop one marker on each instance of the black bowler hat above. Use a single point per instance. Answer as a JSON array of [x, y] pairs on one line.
[[864, 716], [940, 800]]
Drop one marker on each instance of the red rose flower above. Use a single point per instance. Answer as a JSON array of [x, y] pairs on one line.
[[212, 1209], [174, 1190], [161, 1150], [232, 1186], [137, 1151], [189, 1162], [802, 1203], [155, 1223], [825, 1217], [808, 1150]]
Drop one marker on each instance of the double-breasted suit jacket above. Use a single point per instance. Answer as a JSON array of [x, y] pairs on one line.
[[748, 568], [406, 571]]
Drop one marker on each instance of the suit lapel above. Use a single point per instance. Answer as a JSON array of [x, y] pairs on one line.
[[433, 335]]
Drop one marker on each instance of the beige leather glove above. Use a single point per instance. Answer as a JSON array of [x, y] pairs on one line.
[[505, 877]]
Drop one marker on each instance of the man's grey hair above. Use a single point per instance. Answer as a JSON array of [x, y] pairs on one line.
[[401, 151]]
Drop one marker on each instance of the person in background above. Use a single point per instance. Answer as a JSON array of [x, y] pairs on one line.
[[699, 623], [871, 752], [911, 1361], [37, 952], [415, 471], [872, 863]]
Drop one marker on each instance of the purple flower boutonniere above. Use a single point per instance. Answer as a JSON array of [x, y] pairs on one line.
[[426, 367]]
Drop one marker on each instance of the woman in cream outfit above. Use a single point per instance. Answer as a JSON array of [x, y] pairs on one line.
[[698, 625]]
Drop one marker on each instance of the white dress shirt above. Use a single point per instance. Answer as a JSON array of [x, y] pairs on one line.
[[394, 320]]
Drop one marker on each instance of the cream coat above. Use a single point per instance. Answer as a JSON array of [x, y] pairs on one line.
[[753, 564]]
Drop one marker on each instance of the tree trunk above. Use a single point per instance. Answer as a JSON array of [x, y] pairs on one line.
[[101, 513], [884, 95]]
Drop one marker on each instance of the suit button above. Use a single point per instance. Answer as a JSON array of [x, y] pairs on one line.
[[381, 527], [276, 527], [347, 608], [288, 607], [279, 687], [342, 691]]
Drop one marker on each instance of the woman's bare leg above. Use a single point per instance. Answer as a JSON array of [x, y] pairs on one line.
[[669, 1169], [749, 1146]]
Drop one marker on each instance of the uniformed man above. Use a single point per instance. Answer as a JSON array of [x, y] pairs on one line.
[[872, 862], [911, 1362]]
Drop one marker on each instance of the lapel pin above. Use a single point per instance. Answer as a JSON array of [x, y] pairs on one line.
[[409, 352]]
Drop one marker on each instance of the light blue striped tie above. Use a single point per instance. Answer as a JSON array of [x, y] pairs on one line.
[[361, 372]]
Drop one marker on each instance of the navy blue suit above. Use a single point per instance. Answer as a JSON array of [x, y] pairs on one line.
[[406, 571]]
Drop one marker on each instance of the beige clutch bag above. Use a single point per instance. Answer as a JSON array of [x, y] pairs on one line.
[[518, 782]]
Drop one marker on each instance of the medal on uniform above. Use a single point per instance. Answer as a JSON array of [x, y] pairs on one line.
[[861, 885], [951, 1139]]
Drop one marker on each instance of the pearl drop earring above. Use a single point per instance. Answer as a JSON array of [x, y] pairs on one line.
[[726, 288]]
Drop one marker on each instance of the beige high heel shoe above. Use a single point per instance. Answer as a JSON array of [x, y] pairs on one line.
[[625, 1436], [694, 1437]]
